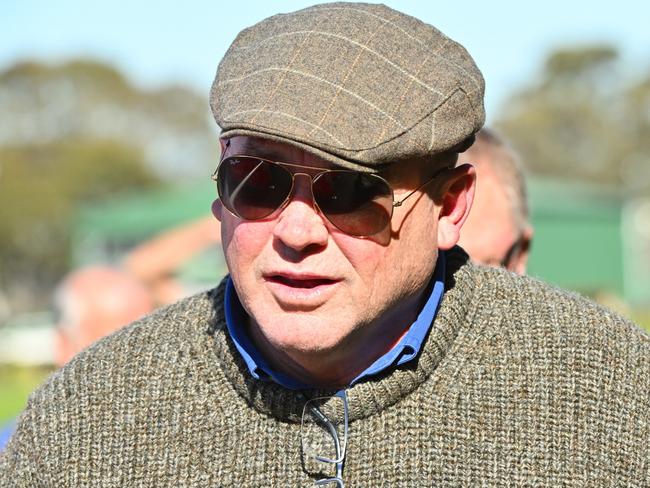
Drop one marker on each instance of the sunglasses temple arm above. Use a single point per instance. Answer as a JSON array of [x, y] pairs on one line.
[[398, 203]]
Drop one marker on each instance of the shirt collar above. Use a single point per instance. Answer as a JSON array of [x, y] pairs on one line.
[[404, 351]]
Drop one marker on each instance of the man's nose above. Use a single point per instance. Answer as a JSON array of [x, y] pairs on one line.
[[300, 225]]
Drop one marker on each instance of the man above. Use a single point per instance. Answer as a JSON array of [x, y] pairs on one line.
[[497, 231], [352, 343]]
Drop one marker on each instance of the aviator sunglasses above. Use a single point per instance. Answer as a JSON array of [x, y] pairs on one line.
[[358, 204]]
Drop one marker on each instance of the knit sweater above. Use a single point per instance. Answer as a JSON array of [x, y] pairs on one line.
[[517, 384]]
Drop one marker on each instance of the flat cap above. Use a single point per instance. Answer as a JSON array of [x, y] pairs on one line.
[[360, 85]]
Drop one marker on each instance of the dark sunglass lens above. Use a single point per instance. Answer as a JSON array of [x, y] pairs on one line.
[[252, 188], [359, 204]]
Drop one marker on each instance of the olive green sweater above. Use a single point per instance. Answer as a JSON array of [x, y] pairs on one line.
[[518, 384]]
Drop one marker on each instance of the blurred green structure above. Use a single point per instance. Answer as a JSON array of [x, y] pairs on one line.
[[584, 241], [104, 232], [577, 242]]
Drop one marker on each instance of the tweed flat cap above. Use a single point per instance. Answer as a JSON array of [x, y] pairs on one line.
[[360, 85]]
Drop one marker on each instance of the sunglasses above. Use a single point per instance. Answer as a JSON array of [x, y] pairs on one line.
[[358, 204]]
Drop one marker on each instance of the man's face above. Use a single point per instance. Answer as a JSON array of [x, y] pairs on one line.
[[315, 292], [490, 235]]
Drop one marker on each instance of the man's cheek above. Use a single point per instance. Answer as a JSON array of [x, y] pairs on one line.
[[241, 244], [231, 249]]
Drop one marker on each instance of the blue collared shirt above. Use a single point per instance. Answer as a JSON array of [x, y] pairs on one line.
[[404, 351]]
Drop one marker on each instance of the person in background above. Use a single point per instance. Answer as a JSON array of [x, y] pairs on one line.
[[95, 301], [498, 231], [91, 303]]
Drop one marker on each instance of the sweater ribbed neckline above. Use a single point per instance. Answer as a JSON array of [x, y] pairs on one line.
[[367, 397]]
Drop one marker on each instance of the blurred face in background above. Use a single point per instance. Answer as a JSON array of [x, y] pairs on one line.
[[491, 235], [92, 303]]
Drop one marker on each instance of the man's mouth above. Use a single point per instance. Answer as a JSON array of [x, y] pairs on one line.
[[300, 282], [301, 291]]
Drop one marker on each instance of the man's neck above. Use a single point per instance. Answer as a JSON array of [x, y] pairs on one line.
[[337, 367]]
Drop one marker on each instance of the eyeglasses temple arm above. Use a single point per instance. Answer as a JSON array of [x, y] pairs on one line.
[[316, 412]]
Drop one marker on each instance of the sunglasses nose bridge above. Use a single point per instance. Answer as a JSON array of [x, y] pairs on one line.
[[299, 190]]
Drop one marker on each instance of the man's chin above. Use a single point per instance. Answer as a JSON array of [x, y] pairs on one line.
[[308, 345], [311, 340]]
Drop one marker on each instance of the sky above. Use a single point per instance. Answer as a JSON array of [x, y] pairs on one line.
[[161, 42]]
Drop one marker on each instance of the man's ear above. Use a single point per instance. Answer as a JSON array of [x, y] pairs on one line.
[[456, 196], [217, 209]]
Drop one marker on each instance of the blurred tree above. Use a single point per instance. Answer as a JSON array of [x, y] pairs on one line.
[[84, 98], [583, 119], [76, 132], [40, 187]]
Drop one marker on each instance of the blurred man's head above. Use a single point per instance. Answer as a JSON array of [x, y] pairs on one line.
[[497, 231], [93, 302]]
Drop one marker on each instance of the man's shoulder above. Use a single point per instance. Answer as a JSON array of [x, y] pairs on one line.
[[158, 346], [540, 318], [145, 389], [168, 328], [541, 372], [527, 341]]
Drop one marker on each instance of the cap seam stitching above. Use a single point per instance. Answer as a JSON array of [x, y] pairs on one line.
[[351, 41], [357, 152], [347, 76], [419, 145], [401, 101], [419, 41], [308, 75]]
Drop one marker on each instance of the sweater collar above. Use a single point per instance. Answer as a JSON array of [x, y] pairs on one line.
[[366, 397]]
